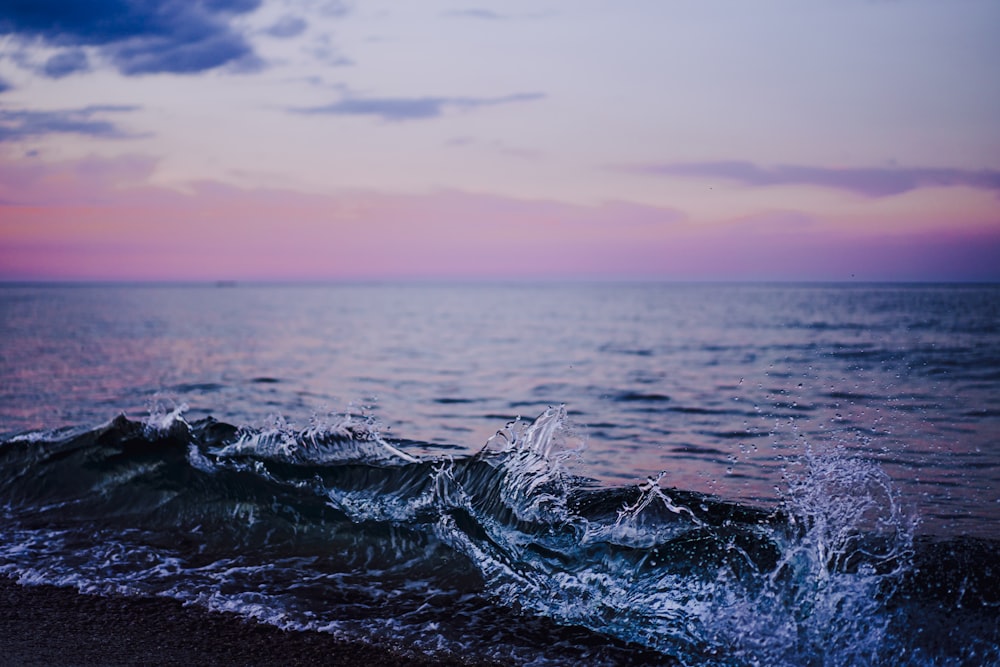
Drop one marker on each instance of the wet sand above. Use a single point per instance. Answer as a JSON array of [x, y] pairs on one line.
[[58, 627]]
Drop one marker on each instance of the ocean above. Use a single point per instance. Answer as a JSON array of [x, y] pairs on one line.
[[544, 474]]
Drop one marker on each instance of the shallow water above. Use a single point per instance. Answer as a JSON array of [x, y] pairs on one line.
[[741, 474]]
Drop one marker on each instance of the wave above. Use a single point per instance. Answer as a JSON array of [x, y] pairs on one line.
[[333, 527]]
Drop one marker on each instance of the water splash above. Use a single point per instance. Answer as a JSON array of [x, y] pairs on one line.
[[826, 600], [164, 421], [690, 575], [344, 439], [254, 517], [534, 459]]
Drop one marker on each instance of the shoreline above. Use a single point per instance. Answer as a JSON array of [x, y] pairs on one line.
[[48, 625]]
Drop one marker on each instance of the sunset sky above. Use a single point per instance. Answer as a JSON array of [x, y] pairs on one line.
[[576, 139]]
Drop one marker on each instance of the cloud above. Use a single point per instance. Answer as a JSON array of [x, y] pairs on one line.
[[286, 27], [4, 86], [485, 14], [322, 48], [330, 8], [411, 108], [139, 37], [66, 63], [479, 14], [84, 182], [178, 56], [27, 123], [870, 182], [102, 218]]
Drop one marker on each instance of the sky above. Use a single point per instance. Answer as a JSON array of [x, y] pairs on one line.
[[325, 140]]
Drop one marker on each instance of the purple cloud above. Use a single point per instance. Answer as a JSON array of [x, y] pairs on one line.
[[411, 108], [867, 181]]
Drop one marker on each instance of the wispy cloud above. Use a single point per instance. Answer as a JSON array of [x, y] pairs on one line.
[[484, 14], [330, 8], [287, 26], [21, 124], [480, 14], [322, 48], [870, 182], [411, 108], [102, 218], [139, 37], [145, 231], [65, 63]]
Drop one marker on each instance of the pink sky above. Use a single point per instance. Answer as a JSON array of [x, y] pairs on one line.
[[382, 141], [77, 221]]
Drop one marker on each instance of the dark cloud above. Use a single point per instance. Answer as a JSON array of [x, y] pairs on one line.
[[139, 36], [870, 182], [66, 63], [4, 86], [411, 108], [156, 55], [287, 26], [25, 123]]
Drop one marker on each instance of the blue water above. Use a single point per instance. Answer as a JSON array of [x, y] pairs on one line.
[[556, 474]]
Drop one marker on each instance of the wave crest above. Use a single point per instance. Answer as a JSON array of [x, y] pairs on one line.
[[188, 508]]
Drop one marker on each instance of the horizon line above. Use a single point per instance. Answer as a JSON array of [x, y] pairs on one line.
[[224, 283]]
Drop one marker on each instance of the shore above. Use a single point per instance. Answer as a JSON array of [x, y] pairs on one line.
[[58, 627]]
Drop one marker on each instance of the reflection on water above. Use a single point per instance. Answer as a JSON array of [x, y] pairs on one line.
[[715, 385]]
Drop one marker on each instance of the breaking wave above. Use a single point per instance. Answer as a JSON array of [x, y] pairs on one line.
[[506, 553]]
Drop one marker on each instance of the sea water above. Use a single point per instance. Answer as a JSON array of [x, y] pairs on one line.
[[547, 474]]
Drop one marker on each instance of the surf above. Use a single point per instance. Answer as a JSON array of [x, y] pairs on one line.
[[334, 527]]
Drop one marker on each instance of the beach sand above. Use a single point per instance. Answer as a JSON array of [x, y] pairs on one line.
[[56, 627]]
